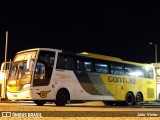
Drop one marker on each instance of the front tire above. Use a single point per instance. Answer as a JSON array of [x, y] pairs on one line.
[[62, 98], [108, 103], [40, 102]]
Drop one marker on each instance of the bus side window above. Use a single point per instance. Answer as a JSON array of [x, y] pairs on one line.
[[60, 62], [129, 70], [80, 65], [149, 72], [101, 68], [117, 69], [139, 71], [70, 63], [47, 59], [88, 66], [40, 71]]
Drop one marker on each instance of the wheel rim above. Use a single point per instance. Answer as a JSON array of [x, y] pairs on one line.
[[138, 98], [62, 98], [130, 99]]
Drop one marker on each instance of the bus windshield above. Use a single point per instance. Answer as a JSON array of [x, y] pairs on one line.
[[19, 74], [25, 56]]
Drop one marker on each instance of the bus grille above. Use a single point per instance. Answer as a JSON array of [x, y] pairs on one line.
[[150, 92]]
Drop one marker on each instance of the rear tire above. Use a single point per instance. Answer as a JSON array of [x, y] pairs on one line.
[[138, 99], [129, 99]]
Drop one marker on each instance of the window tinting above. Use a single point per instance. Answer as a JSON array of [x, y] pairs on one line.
[[117, 69], [139, 71], [65, 62], [60, 62], [47, 57], [84, 65], [88, 66], [70, 63], [43, 68], [80, 65], [129, 70], [101, 68]]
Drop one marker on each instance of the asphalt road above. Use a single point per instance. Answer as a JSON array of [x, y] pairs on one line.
[[87, 107], [94, 110]]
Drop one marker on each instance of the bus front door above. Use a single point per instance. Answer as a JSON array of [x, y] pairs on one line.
[[42, 90]]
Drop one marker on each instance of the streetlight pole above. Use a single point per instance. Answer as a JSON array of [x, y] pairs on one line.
[[155, 46], [155, 53]]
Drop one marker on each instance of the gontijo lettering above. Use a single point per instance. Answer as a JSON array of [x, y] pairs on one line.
[[121, 80]]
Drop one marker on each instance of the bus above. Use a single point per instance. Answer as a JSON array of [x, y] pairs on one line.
[[52, 75]]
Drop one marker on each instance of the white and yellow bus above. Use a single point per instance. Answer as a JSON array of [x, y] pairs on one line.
[[51, 75]]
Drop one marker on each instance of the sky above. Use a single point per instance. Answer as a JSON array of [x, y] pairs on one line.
[[117, 28]]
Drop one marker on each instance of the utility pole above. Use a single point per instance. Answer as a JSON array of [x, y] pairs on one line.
[[6, 50]]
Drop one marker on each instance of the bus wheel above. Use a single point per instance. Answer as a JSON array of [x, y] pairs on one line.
[[40, 102], [129, 99], [138, 99], [62, 98]]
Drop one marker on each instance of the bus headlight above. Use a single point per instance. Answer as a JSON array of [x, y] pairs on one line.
[[12, 82]]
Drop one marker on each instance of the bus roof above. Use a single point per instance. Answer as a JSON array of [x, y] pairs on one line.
[[104, 57], [101, 56], [48, 49], [91, 55]]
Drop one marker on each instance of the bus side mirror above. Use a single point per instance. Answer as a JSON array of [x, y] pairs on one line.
[[2, 66], [5, 66], [29, 64]]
